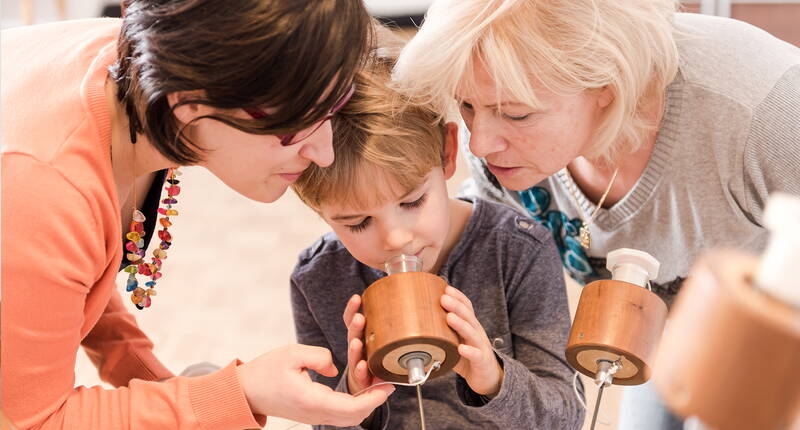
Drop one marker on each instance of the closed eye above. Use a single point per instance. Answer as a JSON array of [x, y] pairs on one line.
[[416, 203], [358, 228], [517, 117]]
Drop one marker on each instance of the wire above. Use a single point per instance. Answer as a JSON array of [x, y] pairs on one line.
[[575, 389], [434, 366], [602, 420]]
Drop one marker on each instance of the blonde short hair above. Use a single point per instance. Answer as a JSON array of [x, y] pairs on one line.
[[566, 45], [379, 138]]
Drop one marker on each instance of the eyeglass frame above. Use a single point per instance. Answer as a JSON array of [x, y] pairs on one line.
[[287, 139]]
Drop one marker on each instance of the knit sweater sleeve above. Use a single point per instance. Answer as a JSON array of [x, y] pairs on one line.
[[119, 349], [54, 253], [772, 151], [536, 392]]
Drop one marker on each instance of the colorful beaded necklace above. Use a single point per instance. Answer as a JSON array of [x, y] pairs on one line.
[[141, 297]]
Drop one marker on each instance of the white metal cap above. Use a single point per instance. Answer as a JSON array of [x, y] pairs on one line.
[[777, 272], [632, 265]]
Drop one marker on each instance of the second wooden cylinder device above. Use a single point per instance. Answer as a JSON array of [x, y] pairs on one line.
[[618, 321]]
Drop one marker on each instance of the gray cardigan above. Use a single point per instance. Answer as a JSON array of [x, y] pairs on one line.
[[730, 135], [508, 267]]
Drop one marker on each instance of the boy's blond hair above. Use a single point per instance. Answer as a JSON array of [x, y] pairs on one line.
[[567, 46], [379, 138]]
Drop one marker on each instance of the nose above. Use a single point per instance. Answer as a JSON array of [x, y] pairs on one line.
[[485, 137], [397, 238], [318, 148]]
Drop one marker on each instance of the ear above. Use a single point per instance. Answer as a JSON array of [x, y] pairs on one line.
[[186, 113], [450, 149], [605, 97]]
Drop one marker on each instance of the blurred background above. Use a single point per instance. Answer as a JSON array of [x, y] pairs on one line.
[[225, 292], [779, 17]]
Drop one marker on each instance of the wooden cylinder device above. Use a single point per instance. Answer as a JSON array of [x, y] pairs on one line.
[[731, 353], [618, 321], [404, 318]]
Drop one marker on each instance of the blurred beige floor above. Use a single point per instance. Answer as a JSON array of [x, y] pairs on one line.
[[225, 290]]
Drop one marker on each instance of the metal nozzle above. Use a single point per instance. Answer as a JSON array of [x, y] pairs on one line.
[[605, 372], [415, 362]]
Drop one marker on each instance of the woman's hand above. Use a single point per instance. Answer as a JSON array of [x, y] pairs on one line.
[[277, 384], [479, 366], [358, 375]]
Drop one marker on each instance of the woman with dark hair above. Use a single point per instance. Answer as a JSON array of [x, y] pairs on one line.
[[97, 117]]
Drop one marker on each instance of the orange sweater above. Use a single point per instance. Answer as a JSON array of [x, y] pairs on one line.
[[62, 247]]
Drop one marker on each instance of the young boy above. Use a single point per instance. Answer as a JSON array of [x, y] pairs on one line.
[[385, 194]]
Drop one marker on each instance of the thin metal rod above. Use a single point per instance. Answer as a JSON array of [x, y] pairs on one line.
[[421, 411], [597, 405]]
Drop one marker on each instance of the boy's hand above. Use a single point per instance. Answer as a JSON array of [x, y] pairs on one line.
[[479, 367], [358, 374]]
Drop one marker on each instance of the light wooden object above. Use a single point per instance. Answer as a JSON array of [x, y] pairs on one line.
[[616, 320], [403, 314], [731, 353]]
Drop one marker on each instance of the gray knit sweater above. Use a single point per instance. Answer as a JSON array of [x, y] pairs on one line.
[[730, 135], [508, 267]]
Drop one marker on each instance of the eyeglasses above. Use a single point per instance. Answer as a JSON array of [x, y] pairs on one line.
[[291, 139]]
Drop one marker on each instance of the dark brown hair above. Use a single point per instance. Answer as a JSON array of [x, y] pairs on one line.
[[296, 56]]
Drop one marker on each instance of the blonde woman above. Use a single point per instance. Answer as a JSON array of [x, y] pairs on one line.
[[617, 123]]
